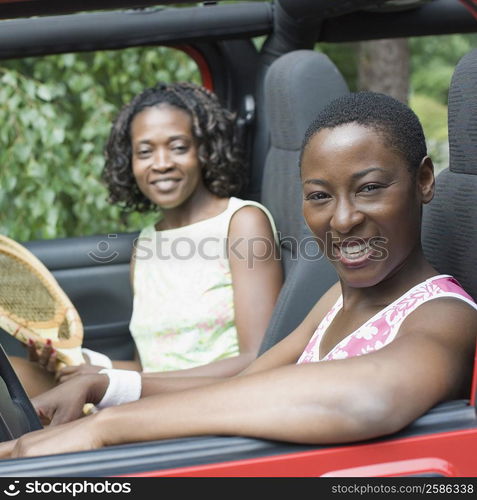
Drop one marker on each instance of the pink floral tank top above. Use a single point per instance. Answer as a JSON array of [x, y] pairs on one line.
[[383, 327]]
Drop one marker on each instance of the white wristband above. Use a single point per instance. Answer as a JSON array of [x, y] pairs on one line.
[[124, 386], [97, 358]]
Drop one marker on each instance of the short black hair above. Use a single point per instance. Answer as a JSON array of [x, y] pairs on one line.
[[220, 155], [397, 123]]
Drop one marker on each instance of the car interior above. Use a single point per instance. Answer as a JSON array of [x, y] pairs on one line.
[[276, 92]]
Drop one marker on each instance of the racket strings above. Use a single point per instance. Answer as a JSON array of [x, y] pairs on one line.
[[64, 331], [33, 306], [26, 296]]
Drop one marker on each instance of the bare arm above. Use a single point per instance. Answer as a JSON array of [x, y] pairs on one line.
[[328, 402], [65, 403]]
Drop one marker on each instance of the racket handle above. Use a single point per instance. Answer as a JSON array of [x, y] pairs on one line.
[[60, 365], [89, 409]]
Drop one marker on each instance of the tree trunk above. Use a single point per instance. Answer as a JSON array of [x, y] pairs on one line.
[[384, 67]]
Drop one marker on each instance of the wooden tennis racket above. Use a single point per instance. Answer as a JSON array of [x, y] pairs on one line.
[[34, 307]]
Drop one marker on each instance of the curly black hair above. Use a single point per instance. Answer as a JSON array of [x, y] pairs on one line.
[[398, 125], [213, 127]]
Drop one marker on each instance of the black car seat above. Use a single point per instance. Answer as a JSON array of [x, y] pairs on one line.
[[297, 86], [449, 233], [449, 224]]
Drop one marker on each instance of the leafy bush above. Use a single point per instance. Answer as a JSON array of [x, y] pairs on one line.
[[55, 115], [433, 116], [433, 62], [56, 111]]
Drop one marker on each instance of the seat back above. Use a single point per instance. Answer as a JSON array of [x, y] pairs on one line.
[[297, 86], [449, 225]]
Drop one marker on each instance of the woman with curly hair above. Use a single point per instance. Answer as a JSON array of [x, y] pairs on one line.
[[206, 275]]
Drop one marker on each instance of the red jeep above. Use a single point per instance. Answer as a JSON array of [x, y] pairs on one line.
[[260, 84]]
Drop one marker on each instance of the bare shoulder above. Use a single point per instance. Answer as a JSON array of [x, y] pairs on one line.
[[250, 220], [447, 318], [442, 333]]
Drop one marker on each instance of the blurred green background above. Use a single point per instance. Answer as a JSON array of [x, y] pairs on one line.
[[432, 60], [55, 116], [56, 111]]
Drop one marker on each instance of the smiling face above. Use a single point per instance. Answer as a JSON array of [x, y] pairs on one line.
[[362, 203], [165, 162]]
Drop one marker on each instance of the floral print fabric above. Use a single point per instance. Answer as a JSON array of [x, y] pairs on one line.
[[383, 327]]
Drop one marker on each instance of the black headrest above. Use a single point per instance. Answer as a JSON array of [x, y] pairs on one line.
[[463, 116], [297, 86]]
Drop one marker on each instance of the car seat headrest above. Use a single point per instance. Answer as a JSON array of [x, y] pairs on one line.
[[297, 86], [462, 116]]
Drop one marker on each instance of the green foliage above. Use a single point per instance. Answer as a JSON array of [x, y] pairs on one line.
[[433, 61], [56, 111], [55, 115], [433, 116]]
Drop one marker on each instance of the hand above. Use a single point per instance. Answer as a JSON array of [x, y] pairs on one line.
[[69, 372], [65, 402], [45, 355], [80, 435]]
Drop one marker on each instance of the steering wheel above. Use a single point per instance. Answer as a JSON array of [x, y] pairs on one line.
[[17, 415]]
